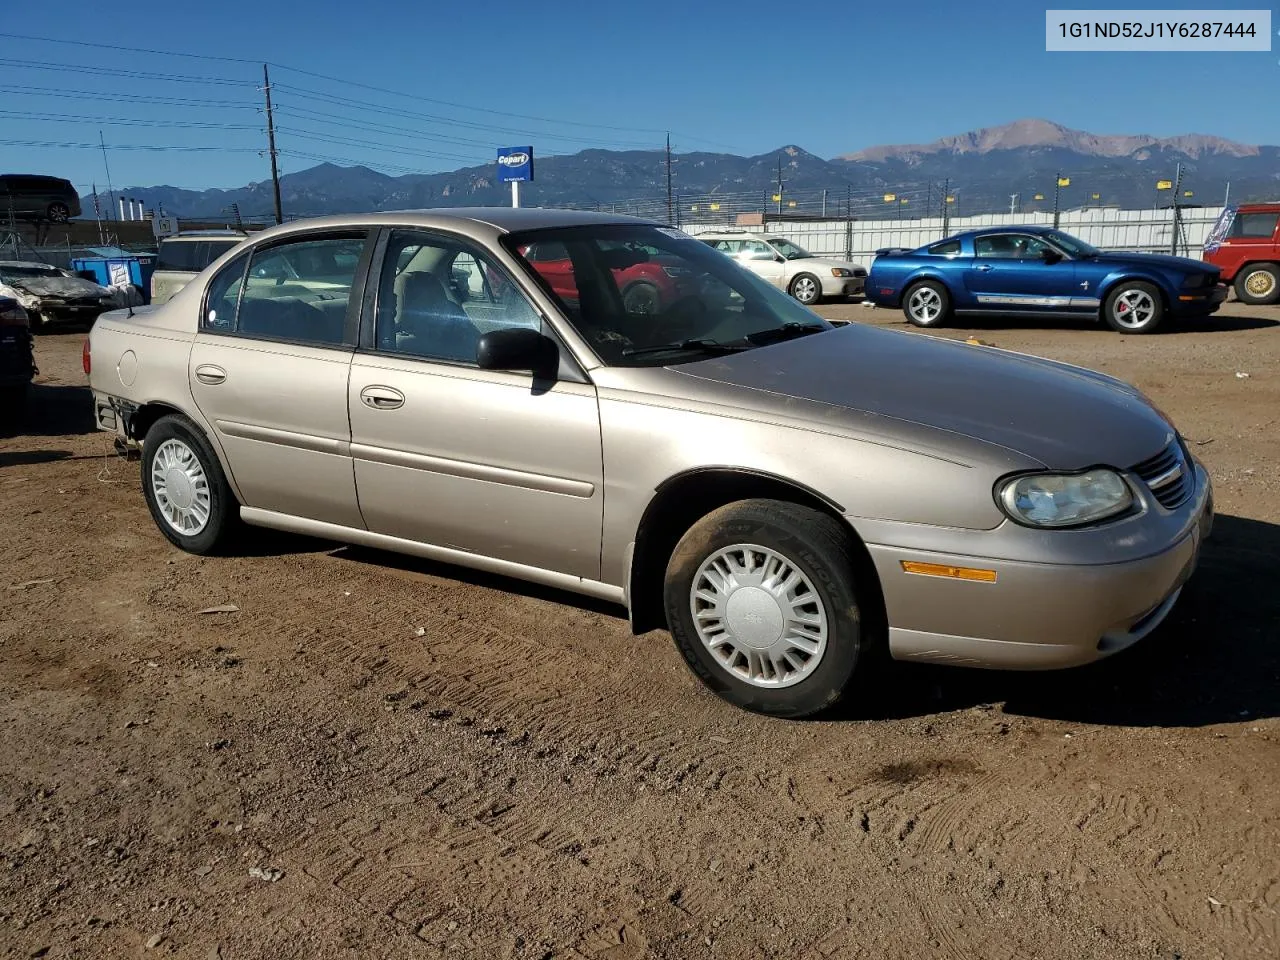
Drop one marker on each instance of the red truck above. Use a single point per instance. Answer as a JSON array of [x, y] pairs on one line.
[[1245, 245]]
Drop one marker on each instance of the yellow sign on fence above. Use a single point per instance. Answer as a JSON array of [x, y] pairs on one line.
[[1064, 181], [890, 197], [1164, 184]]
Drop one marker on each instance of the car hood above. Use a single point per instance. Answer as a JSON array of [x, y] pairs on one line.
[[1160, 260], [824, 262], [1064, 417], [57, 286]]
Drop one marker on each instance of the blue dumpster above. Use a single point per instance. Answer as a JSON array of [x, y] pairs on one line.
[[135, 269]]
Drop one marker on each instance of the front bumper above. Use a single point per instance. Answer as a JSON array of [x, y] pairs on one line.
[[1200, 302], [1037, 616], [843, 286]]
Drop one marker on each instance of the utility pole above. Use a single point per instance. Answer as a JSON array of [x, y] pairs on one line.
[[824, 203], [107, 167], [779, 186], [1057, 191], [1013, 204], [1177, 212], [271, 145], [670, 210], [946, 210]]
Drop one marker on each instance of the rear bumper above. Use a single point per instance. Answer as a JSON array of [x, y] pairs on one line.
[[843, 286], [1035, 616]]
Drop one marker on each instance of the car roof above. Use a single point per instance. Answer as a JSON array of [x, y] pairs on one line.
[[501, 219], [985, 231], [27, 263], [205, 235]]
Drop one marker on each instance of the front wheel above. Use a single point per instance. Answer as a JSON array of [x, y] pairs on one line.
[[762, 602], [1133, 307], [59, 213], [806, 288], [926, 304], [185, 487], [1258, 284]]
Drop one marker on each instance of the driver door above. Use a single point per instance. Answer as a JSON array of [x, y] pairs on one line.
[[1010, 272]]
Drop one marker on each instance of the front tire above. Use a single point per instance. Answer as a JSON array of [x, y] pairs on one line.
[[806, 288], [762, 601], [926, 304], [1258, 284], [185, 488], [59, 213], [1133, 306]]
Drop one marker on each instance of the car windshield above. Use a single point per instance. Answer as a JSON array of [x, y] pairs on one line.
[[790, 250], [30, 271], [1073, 246], [644, 295]]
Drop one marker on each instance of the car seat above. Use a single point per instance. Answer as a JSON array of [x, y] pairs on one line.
[[430, 324]]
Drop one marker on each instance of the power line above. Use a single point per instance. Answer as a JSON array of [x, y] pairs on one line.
[[158, 148], [126, 74], [117, 48], [186, 102], [39, 117]]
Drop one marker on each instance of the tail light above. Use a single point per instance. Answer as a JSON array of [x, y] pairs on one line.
[[84, 357]]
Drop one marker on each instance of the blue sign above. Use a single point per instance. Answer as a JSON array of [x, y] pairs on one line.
[[515, 164]]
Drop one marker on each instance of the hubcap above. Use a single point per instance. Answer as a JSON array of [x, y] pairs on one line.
[[1260, 283], [1134, 308], [181, 488], [806, 290], [925, 304], [759, 616]]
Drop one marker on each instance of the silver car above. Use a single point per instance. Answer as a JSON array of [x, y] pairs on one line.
[[791, 267], [790, 499]]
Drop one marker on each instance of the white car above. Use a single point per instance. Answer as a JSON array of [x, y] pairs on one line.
[[789, 266]]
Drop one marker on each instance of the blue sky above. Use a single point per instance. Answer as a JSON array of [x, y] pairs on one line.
[[742, 76]]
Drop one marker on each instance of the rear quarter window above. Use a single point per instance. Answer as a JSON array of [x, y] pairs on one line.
[[1254, 226], [176, 255], [947, 249]]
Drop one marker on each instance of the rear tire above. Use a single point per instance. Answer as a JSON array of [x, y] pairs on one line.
[[1133, 306], [926, 304], [1258, 284], [780, 632], [185, 488], [59, 213], [806, 288]]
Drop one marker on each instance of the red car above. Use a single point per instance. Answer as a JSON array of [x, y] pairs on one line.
[[649, 282], [1245, 245]]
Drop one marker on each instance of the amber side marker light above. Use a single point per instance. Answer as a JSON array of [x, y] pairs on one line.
[[944, 570]]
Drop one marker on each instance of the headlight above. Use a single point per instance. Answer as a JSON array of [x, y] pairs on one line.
[[841, 272], [29, 301], [676, 271], [1065, 500]]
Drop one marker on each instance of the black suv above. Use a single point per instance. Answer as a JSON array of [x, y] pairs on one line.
[[31, 197]]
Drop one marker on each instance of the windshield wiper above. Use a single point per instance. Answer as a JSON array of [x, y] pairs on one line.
[[788, 331], [695, 345]]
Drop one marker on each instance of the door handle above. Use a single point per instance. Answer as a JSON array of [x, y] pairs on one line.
[[381, 398], [983, 268], [208, 373]]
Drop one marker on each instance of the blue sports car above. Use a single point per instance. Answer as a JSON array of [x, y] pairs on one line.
[[1030, 271]]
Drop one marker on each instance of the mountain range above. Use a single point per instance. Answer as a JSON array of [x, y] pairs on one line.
[[981, 168]]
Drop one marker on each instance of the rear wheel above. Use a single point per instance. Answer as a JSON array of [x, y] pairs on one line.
[[1133, 307], [762, 601], [926, 304], [59, 213], [1259, 284], [806, 288], [185, 487]]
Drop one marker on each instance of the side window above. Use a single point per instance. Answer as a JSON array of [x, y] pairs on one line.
[[175, 255], [224, 297], [299, 291], [437, 296], [1254, 226], [950, 248], [756, 250], [999, 246]]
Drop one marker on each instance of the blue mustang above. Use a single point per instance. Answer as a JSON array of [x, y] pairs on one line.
[[1030, 271]]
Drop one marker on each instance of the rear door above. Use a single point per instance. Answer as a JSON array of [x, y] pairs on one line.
[[269, 370], [1009, 272]]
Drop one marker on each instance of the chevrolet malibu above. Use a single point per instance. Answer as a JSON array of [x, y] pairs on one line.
[[793, 501]]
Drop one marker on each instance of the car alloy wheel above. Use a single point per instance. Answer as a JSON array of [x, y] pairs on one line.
[[181, 487], [805, 289], [925, 305], [59, 212], [1260, 284], [759, 616], [1134, 309]]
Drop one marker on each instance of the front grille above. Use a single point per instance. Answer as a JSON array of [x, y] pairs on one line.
[[1169, 475]]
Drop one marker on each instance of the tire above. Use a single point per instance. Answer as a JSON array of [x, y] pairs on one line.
[[642, 298], [1258, 284], [176, 441], [923, 310], [806, 288], [59, 213], [741, 669], [1133, 306]]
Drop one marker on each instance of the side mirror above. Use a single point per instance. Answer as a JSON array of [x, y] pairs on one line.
[[779, 258], [518, 348]]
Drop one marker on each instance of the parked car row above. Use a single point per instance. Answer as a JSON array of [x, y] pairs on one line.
[[793, 501]]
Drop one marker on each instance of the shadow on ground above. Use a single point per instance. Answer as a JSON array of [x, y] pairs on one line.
[[1215, 323], [52, 410], [1215, 660]]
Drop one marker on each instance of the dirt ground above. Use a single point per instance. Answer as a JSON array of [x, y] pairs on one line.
[[381, 757]]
